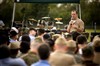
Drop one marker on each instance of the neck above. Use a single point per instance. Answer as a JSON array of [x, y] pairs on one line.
[[60, 50], [13, 38], [33, 50], [88, 59]]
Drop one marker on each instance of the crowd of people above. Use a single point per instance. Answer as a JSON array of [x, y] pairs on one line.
[[41, 48], [38, 47]]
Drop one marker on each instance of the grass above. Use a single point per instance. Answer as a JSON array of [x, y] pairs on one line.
[[91, 30]]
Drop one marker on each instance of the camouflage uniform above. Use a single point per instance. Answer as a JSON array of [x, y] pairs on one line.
[[30, 58]]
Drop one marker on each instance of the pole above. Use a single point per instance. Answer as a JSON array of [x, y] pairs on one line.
[[95, 27], [13, 15], [80, 11]]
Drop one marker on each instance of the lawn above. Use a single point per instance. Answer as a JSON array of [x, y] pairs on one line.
[[91, 30]]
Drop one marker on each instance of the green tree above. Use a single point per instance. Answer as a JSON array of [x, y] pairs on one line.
[[39, 10], [6, 11], [90, 12]]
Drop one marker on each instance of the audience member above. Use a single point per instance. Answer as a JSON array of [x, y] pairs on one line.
[[6, 60], [32, 33], [13, 36], [75, 35], [31, 56], [71, 47], [25, 38], [81, 43], [68, 36], [96, 47], [24, 48], [88, 56], [44, 53], [14, 48], [4, 40], [59, 56]]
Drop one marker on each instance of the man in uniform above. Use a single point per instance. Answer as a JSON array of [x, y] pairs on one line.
[[75, 24]]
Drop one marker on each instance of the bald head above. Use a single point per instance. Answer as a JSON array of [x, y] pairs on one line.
[[60, 42]]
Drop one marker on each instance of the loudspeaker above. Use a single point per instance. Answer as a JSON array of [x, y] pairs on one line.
[[93, 34]]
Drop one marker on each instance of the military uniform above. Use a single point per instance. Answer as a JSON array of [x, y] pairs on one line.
[[30, 58]]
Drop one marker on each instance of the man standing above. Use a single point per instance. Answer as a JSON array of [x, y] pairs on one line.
[[59, 56], [32, 33], [75, 24]]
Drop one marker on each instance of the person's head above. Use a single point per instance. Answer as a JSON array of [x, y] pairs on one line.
[[32, 31], [96, 46], [44, 51], [75, 35], [97, 37], [26, 38], [74, 14], [55, 36], [35, 44], [24, 47], [71, 45], [40, 31], [13, 35], [4, 40], [14, 48], [4, 52], [60, 44], [87, 53], [68, 37], [46, 37], [14, 29], [81, 39], [50, 42]]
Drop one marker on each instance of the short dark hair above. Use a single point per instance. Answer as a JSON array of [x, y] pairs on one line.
[[13, 33], [4, 52], [14, 52], [32, 29], [75, 34], [44, 51], [4, 39], [41, 31], [75, 11], [87, 52], [81, 39], [46, 36], [24, 46], [25, 38]]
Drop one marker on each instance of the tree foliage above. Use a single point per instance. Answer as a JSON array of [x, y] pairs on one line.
[[6, 11], [90, 11]]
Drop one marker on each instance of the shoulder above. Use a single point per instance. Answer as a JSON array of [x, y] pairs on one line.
[[19, 61], [31, 57], [35, 64], [80, 20], [68, 56]]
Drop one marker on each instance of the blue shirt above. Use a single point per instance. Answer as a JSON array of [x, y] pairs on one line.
[[11, 40], [32, 37], [12, 62], [41, 63]]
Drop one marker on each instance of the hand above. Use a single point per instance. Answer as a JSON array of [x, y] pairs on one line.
[[70, 23], [74, 26]]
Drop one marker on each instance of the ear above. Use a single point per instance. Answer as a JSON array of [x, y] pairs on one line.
[[55, 46]]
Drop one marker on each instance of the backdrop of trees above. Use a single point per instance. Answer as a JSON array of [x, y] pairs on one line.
[[90, 11]]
